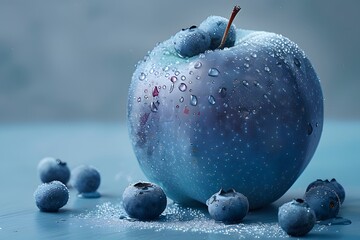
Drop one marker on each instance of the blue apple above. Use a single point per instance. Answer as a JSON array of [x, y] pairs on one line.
[[248, 116]]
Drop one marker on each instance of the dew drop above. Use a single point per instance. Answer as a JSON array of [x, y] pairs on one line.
[[245, 83], [297, 62], [154, 106], [222, 92], [177, 73], [167, 74], [165, 69], [254, 55], [171, 88], [247, 58], [309, 129], [191, 72], [213, 72], [181, 99], [198, 77], [183, 78], [151, 70], [198, 65], [267, 69], [155, 92], [211, 99], [246, 65], [193, 100], [244, 112], [173, 79], [256, 84], [142, 76], [182, 87], [139, 99]]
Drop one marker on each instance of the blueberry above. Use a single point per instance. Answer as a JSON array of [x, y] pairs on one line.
[[333, 184], [215, 26], [51, 169], [317, 182], [324, 201], [86, 179], [144, 201], [338, 188], [50, 197], [296, 218], [191, 41], [228, 206]]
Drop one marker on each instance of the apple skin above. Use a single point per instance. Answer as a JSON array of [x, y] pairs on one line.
[[248, 117]]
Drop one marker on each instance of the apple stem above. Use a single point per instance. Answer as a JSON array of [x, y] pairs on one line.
[[235, 11]]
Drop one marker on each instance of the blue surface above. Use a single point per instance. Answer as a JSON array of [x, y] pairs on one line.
[[106, 146]]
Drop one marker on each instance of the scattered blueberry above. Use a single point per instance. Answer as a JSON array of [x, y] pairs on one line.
[[215, 26], [296, 218], [52, 196], [316, 183], [144, 201], [86, 179], [51, 169], [191, 41], [338, 188], [228, 206], [333, 184], [324, 201]]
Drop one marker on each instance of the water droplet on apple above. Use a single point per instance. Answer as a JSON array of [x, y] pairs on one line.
[[154, 106], [246, 65], [309, 129], [181, 99], [171, 87], [183, 78], [267, 69], [151, 70], [247, 58], [256, 84], [198, 77], [222, 92], [245, 83], [182, 87], [254, 55], [191, 72], [177, 73], [297, 62], [244, 112], [193, 100], [165, 69], [198, 65], [155, 92], [173, 79], [167, 74], [142, 76], [139, 99], [213, 72], [211, 100]]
